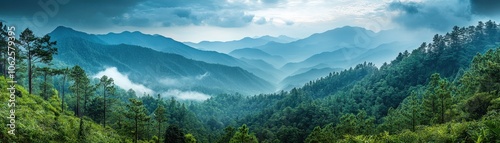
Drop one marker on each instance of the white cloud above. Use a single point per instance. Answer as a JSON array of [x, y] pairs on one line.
[[202, 76], [170, 81], [185, 95], [183, 81], [123, 81]]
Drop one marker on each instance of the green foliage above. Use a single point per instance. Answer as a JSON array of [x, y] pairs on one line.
[[243, 136], [137, 116], [38, 120], [174, 135], [189, 138]]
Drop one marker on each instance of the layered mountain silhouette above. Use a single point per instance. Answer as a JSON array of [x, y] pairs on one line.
[[264, 64], [226, 47], [149, 66]]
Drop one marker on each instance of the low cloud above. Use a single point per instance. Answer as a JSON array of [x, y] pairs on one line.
[[122, 81], [183, 81], [185, 95]]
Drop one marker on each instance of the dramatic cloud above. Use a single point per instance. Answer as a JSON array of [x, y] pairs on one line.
[[82, 13], [436, 15], [197, 20], [441, 15], [185, 95], [123, 81], [139, 13], [485, 7]]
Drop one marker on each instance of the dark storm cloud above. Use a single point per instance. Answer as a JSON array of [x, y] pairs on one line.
[[442, 15], [485, 7], [94, 13], [141, 13], [436, 15]]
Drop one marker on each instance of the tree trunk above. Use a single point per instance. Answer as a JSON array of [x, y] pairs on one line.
[[29, 70], [63, 84], [78, 101], [45, 85], [136, 133], [159, 132], [442, 109], [104, 90]]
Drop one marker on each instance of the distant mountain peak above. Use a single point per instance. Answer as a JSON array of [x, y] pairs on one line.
[[65, 29]]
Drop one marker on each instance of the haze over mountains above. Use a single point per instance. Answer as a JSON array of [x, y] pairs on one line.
[[247, 42], [251, 65]]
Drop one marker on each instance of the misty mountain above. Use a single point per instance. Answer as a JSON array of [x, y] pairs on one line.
[[345, 37], [156, 70], [252, 53], [341, 58], [383, 53], [226, 47], [164, 44], [298, 80]]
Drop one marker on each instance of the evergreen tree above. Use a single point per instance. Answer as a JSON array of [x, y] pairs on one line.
[[138, 114], [189, 138], [80, 83], [243, 136], [174, 134], [46, 72], [160, 116], [316, 136], [64, 72], [430, 103], [414, 111], [38, 49], [107, 87], [229, 133]]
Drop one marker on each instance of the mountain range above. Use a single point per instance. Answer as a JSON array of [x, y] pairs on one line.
[[150, 67], [258, 65], [247, 42]]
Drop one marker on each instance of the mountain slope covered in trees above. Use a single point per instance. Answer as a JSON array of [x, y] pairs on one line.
[[447, 90]]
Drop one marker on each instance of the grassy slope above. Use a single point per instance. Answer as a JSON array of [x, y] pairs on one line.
[[38, 120]]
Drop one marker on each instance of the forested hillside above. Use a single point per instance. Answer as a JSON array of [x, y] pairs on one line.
[[446, 90]]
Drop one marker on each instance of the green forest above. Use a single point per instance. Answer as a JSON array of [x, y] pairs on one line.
[[446, 90]]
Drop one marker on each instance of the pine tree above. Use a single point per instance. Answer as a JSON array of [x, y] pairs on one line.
[[160, 116], [46, 72], [415, 114], [64, 72], [243, 136], [430, 103], [80, 83], [189, 138], [138, 114], [444, 100], [316, 136], [174, 134], [38, 49], [107, 87], [229, 133]]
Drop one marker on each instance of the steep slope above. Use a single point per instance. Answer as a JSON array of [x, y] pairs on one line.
[[226, 47], [149, 67], [39, 120]]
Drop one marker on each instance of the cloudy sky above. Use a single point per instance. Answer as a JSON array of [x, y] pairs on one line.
[[222, 20]]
